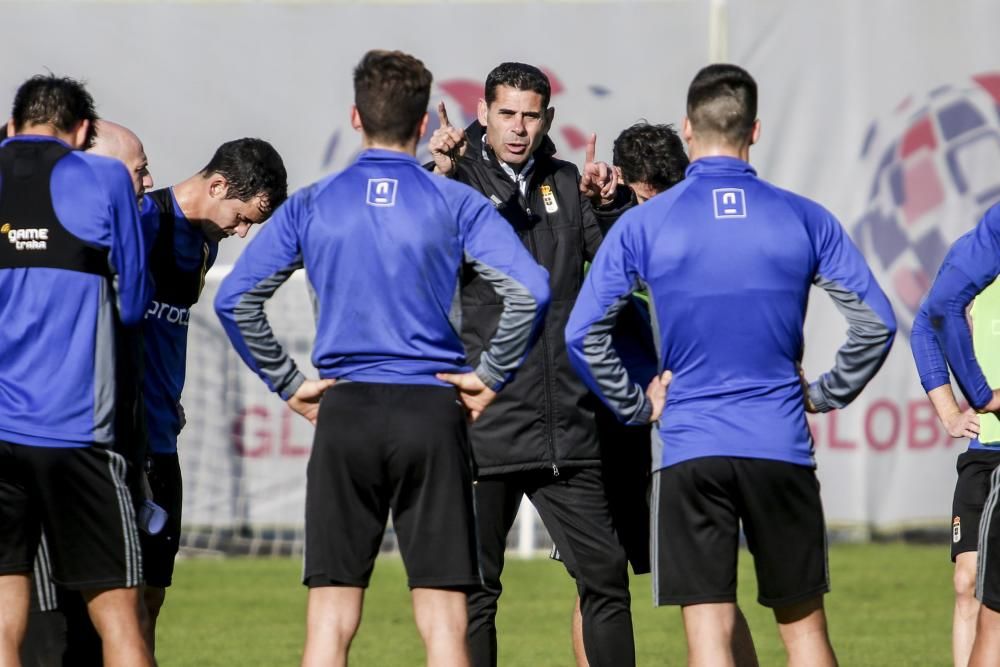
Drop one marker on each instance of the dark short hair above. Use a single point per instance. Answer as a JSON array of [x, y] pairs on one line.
[[519, 76], [722, 101], [652, 154], [391, 91], [251, 167], [47, 99]]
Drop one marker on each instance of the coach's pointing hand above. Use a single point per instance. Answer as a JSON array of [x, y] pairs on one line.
[[305, 400], [447, 144], [475, 395], [598, 180]]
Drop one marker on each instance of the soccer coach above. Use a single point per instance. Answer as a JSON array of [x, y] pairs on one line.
[[390, 434], [728, 260]]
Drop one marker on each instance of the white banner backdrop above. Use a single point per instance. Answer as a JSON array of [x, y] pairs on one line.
[[889, 118]]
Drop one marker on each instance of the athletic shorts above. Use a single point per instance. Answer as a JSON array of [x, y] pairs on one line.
[[78, 495], [988, 562], [974, 468], [163, 471], [382, 448], [698, 506], [625, 466]]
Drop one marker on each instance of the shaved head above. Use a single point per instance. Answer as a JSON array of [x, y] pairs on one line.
[[119, 142]]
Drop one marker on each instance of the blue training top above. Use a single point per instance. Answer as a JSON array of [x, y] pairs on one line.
[[165, 331], [383, 244], [728, 260], [57, 372], [972, 263]]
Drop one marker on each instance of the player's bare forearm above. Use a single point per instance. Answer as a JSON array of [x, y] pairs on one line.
[[958, 423]]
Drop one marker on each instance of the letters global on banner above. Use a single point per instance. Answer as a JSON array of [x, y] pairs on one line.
[[886, 425]]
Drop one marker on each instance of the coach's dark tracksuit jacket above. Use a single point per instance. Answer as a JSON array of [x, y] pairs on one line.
[[544, 419]]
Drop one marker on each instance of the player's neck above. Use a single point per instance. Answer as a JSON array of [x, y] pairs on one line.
[[409, 147], [188, 194], [698, 151], [47, 130]]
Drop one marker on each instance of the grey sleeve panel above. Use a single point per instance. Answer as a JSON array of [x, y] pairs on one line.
[[626, 398], [859, 358], [271, 358], [509, 345]]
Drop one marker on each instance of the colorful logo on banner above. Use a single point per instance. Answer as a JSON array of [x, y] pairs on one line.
[[461, 97], [932, 169]]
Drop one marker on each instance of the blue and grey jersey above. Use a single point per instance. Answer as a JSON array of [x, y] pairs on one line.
[[728, 260], [57, 361], [383, 244], [972, 263]]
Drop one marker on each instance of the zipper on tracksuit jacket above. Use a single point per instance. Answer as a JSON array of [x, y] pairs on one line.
[[546, 381]]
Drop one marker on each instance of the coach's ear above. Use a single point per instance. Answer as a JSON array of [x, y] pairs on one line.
[[686, 131], [356, 119], [755, 132], [481, 112]]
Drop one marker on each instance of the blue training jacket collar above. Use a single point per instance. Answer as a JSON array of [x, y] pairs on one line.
[[33, 137], [719, 164]]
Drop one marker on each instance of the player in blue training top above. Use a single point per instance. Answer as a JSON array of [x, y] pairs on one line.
[[384, 243], [728, 260], [240, 186], [975, 467], [972, 264], [59, 629], [71, 255]]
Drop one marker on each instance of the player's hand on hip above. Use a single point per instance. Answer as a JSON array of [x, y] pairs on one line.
[[446, 144], [962, 424], [305, 400], [656, 392], [810, 408], [598, 180], [474, 395]]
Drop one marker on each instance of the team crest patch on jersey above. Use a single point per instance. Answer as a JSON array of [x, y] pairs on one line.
[[549, 199], [382, 191], [956, 529], [730, 203]]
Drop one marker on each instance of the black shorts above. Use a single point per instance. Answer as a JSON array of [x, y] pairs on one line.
[[163, 471], [382, 447], [988, 562], [78, 495], [697, 509], [974, 468], [625, 468]]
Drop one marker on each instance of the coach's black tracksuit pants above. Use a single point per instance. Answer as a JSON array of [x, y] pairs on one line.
[[574, 509]]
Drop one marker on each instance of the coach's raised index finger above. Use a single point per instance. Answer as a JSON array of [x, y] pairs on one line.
[[591, 149], [443, 115]]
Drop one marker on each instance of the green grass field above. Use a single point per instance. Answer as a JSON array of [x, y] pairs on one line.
[[890, 605]]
